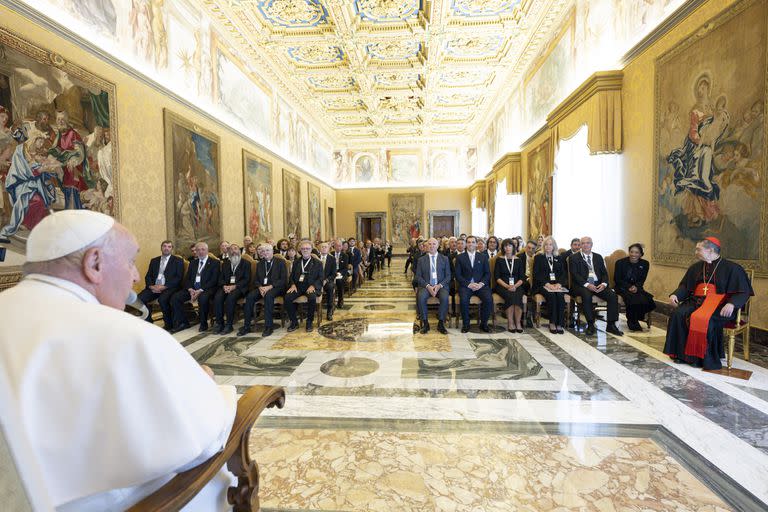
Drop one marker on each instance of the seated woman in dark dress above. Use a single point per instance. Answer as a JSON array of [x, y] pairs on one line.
[[549, 280], [508, 278], [629, 276]]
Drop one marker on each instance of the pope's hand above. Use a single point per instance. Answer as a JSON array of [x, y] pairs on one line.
[[673, 300], [207, 369]]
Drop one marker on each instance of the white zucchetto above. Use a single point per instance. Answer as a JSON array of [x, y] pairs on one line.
[[65, 232]]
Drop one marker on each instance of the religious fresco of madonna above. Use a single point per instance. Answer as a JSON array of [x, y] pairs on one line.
[[192, 184], [58, 145], [710, 140], [257, 185], [539, 191], [407, 214]]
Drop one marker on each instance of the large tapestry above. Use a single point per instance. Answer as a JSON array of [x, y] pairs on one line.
[[192, 183], [58, 143], [539, 191], [257, 191], [710, 140], [291, 204], [407, 214], [315, 212]]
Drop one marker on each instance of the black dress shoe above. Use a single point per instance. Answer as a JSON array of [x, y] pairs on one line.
[[218, 329], [560, 330], [228, 329], [634, 325], [424, 328], [464, 328], [180, 328], [553, 330], [244, 330], [485, 328], [520, 330], [590, 331], [267, 332], [310, 328], [441, 328], [613, 329], [292, 327], [329, 317], [203, 327]]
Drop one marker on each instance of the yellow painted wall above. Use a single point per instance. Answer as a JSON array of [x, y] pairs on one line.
[[377, 200], [141, 146], [638, 157]]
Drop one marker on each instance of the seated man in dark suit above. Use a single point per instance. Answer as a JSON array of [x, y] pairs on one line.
[[306, 279], [342, 271], [234, 280], [269, 282], [473, 277], [590, 277], [355, 258], [200, 286], [162, 280], [433, 276], [328, 263]]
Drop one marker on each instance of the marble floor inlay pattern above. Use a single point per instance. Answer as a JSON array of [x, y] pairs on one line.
[[378, 417]]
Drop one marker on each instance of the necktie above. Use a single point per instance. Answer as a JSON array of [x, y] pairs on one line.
[[589, 261], [200, 266], [433, 281], [163, 263], [550, 261]]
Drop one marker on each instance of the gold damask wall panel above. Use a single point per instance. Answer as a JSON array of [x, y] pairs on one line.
[[639, 158], [142, 155]]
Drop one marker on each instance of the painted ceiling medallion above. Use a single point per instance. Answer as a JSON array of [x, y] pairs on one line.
[[393, 50], [316, 54], [399, 104], [473, 47], [475, 8], [387, 11], [396, 79], [293, 13], [332, 82]]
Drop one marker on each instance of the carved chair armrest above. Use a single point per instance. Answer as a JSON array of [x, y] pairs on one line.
[[183, 487]]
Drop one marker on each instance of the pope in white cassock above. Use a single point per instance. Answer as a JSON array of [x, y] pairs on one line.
[[113, 406]]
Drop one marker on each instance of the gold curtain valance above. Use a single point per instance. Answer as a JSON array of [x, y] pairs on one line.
[[510, 168], [597, 104], [477, 193]]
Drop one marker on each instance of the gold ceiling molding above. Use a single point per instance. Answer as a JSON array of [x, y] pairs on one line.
[[477, 193], [597, 104], [510, 168]]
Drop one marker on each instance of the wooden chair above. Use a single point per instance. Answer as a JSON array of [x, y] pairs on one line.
[[739, 326], [575, 301], [245, 497], [538, 300]]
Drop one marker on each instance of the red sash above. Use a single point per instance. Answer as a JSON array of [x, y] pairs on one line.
[[697, 332]]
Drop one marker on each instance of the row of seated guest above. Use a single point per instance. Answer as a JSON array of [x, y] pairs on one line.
[[546, 272], [224, 281]]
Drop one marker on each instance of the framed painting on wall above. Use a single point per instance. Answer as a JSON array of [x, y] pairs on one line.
[[58, 144], [291, 204], [539, 191], [192, 183], [257, 194], [315, 212], [710, 145], [406, 212]]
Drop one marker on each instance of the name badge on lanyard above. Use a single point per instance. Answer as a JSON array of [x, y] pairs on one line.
[[301, 278], [552, 276], [232, 279], [269, 269], [304, 270], [510, 266], [551, 264]]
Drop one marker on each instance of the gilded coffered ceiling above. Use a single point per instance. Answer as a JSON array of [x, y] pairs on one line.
[[391, 72]]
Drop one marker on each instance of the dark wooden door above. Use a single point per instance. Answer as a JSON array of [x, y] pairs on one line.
[[442, 225]]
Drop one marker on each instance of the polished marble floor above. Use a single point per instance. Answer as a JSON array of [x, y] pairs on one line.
[[380, 418]]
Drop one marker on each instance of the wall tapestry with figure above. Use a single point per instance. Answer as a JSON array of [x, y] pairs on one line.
[[291, 204], [710, 140], [257, 191], [315, 213], [58, 144], [192, 184], [407, 214], [539, 192]]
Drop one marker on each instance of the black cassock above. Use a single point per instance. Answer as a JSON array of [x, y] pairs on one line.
[[729, 279]]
